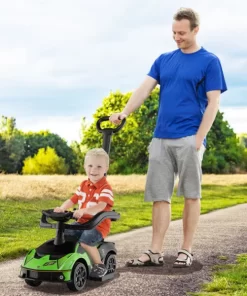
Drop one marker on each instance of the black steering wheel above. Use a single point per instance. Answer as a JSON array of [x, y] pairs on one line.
[[63, 217]]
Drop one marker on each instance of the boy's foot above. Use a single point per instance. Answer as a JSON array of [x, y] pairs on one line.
[[98, 270]]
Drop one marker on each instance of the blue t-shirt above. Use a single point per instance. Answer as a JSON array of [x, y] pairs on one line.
[[184, 81]]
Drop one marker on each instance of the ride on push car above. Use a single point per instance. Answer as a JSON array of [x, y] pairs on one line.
[[62, 259]]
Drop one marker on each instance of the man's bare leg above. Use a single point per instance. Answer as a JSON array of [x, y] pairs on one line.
[[161, 218], [191, 216]]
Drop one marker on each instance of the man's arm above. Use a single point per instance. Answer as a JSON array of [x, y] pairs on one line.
[[208, 117], [136, 100]]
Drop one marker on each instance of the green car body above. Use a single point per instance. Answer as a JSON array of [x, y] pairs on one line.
[[64, 260]]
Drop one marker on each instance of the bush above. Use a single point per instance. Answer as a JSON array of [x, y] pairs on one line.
[[45, 162]]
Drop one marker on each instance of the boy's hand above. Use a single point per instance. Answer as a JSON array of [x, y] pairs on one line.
[[78, 213], [58, 210]]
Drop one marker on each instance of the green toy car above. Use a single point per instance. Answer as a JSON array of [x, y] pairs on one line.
[[62, 259]]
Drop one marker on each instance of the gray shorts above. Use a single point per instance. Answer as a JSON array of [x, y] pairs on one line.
[[169, 158]]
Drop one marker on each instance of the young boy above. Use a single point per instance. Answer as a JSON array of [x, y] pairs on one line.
[[92, 196]]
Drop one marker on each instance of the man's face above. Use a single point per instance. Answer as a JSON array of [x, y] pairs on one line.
[[183, 35]]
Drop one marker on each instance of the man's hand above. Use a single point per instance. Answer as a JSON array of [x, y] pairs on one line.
[[59, 210], [117, 117], [199, 141], [78, 213]]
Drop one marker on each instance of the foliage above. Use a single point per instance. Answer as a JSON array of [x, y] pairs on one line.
[[243, 140], [7, 126], [129, 147], [79, 152], [45, 162], [16, 146], [43, 139], [224, 154], [11, 145], [3, 155]]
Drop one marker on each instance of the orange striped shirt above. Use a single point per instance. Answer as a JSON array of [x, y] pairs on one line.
[[89, 194]]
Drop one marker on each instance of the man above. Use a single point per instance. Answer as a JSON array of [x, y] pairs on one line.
[[191, 81]]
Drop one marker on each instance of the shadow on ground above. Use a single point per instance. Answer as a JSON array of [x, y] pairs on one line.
[[166, 269], [62, 289]]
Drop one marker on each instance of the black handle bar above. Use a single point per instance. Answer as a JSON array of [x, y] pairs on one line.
[[113, 130], [107, 132], [66, 216]]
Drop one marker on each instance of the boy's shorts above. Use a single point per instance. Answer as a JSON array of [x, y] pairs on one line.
[[89, 237], [169, 158]]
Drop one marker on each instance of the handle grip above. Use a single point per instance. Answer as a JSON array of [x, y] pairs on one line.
[[114, 130]]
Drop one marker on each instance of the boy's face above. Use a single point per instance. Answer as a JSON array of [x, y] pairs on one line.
[[95, 167]]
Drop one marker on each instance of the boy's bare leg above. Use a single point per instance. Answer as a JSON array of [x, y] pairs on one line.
[[93, 253], [161, 217], [191, 214]]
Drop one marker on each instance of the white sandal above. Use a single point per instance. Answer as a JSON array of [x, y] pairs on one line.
[[183, 262], [155, 259]]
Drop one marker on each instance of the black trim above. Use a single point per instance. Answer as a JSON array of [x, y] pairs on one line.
[[199, 83], [47, 276], [55, 251], [197, 87]]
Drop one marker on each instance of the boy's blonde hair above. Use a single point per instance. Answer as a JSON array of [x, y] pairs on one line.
[[98, 152]]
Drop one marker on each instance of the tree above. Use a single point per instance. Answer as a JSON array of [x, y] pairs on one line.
[[243, 140], [45, 162], [7, 126], [43, 139], [129, 147], [3, 156], [80, 152], [12, 145], [224, 154], [129, 153], [16, 146]]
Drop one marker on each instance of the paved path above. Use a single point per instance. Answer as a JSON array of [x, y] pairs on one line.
[[222, 232]]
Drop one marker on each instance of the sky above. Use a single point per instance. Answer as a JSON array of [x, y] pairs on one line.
[[60, 58]]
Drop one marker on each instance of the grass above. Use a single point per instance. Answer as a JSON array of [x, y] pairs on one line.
[[61, 187], [228, 280], [19, 227]]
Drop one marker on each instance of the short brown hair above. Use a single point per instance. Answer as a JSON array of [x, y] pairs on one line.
[[188, 14]]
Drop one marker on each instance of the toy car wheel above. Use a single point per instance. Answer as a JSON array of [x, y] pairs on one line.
[[33, 283], [111, 263], [78, 277]]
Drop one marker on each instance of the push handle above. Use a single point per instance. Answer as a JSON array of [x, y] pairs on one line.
[[107, 132], [66, 216], [113, 130]]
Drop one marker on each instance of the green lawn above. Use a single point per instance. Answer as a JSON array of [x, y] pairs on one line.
[[19, 227], [228, 280]]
